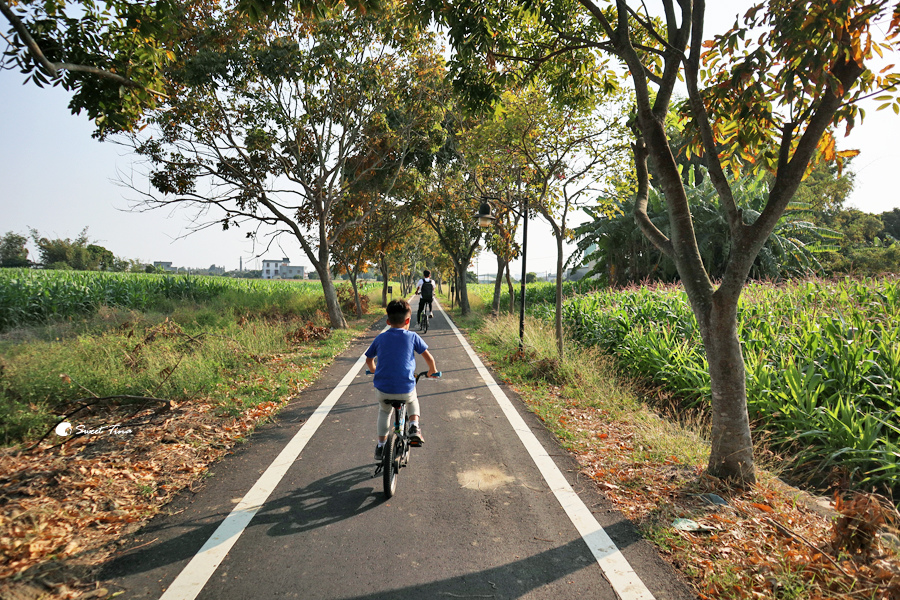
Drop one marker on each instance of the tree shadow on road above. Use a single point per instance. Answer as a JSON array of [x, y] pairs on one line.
[[327, 500]]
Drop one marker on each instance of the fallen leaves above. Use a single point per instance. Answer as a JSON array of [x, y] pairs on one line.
[[62, 506], [757, 543]]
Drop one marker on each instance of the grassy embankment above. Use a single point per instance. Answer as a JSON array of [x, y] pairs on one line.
[[643, 441], [185, 367]]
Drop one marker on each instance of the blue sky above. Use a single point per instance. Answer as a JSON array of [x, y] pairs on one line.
[[58, 180]]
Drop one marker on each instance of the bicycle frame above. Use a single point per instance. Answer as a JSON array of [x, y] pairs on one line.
[[423, 322]]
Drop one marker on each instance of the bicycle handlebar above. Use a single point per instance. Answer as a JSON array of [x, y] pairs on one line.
[[437, 375]]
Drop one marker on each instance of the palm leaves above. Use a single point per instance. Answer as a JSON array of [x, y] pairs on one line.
[[620, 254]]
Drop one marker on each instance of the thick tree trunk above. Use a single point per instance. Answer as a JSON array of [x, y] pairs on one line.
[[335, 315], [731, 455]]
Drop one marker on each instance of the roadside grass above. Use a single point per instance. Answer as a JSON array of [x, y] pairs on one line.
[[648, 457], [185, 384], [232, 349]]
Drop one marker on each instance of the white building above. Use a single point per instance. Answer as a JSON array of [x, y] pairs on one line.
[[165, 266], [282, 269]]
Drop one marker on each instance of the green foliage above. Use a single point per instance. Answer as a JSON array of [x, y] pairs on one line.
[[864, 261], [822, 360], [891, 221], [13, 252], [239, 350], [826, 189], [537, 293], [110, 55], [78, 254], [623, 255]]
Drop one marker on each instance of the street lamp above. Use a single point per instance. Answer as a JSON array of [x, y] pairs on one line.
[[485, 218]]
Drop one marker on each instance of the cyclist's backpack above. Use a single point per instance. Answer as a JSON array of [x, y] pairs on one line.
[[427, 289]]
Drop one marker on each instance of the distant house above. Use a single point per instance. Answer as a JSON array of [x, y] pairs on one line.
[[165, 266], [282, 269]]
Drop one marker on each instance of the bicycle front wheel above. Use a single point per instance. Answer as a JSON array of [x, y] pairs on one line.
[[390, 465]]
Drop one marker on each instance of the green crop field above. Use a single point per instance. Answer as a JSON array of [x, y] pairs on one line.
[[823, 364], [30, 297]]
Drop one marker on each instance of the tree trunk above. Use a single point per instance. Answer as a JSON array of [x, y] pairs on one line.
[[512, 291], [731, 455], [383, 267], [559, 298], [462, 290], [359, 310], [335, 315], [498, 286]]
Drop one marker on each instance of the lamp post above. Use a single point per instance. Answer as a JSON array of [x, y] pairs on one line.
[[524, 252]]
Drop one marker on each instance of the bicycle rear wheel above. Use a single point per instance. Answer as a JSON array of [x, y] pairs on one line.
[[390, 465], [424, 322]]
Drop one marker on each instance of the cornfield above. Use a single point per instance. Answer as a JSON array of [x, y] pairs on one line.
[[822, 360], [29, 297]]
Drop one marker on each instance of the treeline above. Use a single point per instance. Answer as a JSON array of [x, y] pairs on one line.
[[80, 254]]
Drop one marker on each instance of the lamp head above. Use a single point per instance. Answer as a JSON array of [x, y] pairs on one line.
[[485, 218]]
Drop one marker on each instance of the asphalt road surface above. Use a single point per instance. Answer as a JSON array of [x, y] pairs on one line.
[[489, 507]]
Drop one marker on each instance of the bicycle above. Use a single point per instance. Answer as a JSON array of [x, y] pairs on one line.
[[397, 445], [423, 322]]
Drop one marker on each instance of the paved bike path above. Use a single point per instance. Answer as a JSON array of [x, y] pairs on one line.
[[472, 517]]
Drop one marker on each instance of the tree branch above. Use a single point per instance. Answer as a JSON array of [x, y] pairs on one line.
[[701, 117], [53, 68], [641, 218]]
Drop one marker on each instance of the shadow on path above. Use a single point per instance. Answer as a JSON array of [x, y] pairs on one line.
[[328, 500]]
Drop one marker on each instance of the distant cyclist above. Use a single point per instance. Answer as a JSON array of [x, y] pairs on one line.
[[425, 287]]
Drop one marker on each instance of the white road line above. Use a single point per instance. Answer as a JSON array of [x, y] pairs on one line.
[[624, 581], [197, 572]]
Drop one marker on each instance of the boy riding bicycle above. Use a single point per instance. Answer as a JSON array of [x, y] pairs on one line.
[[395, 372], [425, 286]]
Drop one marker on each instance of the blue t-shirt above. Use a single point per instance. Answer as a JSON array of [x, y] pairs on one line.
[[395, 371]]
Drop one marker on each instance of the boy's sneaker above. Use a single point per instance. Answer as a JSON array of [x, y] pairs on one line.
[[379, 453], [415, 435]]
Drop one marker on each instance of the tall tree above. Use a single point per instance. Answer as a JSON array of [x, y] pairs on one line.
[[277, 123], [768, 92], [13, 252], [452, 203], [570, 155]]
